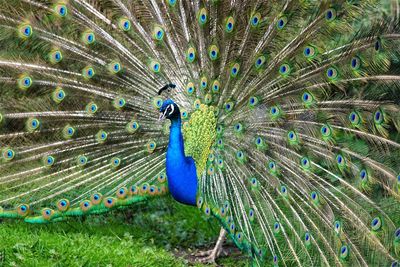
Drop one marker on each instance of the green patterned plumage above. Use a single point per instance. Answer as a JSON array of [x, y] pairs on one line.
[[290, 110]]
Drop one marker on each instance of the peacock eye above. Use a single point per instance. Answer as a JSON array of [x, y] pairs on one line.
[[161, 177], [155, 66], [344, 252], [260, 61], [88, 72], [190, 88], [68, 131], [284, 70], [255, 19], [82, 160], [239, 236], [226, 205], [55, 56], [314, 196], [238, 127], [208, 98], [307, 51], [355, 118], [115, 162], [376, 223], [307, 99], [48, 161], [25, 31], [251, 215], [101, 136], [283, 190], [229, 106], [253, 181], [88, 37], [213, 52], [91, 108], [340, 160], [202, 16], [363, 175], [32, 124], [331, 73], [220, 163], [199, 202], [378, 117], [114, 67], [61, 10], [253, 101], [215, 86], [240, 156], [234, 70], [203, 83], [24, 82], [191, 54], [122, 192], [63, 204], [158, 33], [306, 236], [277, 227], [23, 210], [272, 166], [326, 131], [220, 142], [305, 163], [280, 24], [124, 24], [275, 112], [397, 234], [172, 3], [260, 143], [58, 95], [330, 14], [151, 146], [197, 104], [229, 25], [232, 227], [133, 189], [355, 63], [109, 202], [210, 170], [378, 45]]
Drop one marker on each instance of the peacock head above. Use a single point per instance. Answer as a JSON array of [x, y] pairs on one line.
[[169, 110]]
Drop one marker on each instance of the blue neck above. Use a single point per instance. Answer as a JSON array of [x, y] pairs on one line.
[[181, 170], [176, 137]]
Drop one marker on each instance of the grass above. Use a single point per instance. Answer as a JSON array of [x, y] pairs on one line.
[[148, 234]]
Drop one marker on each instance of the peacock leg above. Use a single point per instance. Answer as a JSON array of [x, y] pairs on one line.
[[211, 255]]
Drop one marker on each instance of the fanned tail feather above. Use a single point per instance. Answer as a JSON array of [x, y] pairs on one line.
[[304, 168]]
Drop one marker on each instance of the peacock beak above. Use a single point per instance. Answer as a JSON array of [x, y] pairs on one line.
[[164, 114]]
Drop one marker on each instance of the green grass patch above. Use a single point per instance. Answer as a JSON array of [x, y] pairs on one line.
[[146, 234]]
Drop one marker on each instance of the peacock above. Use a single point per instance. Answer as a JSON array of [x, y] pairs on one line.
[[281, 119]]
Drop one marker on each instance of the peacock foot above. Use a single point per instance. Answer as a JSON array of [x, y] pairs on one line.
[[210, 256]]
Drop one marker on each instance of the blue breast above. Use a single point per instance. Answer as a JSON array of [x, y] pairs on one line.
[[181, 170]]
